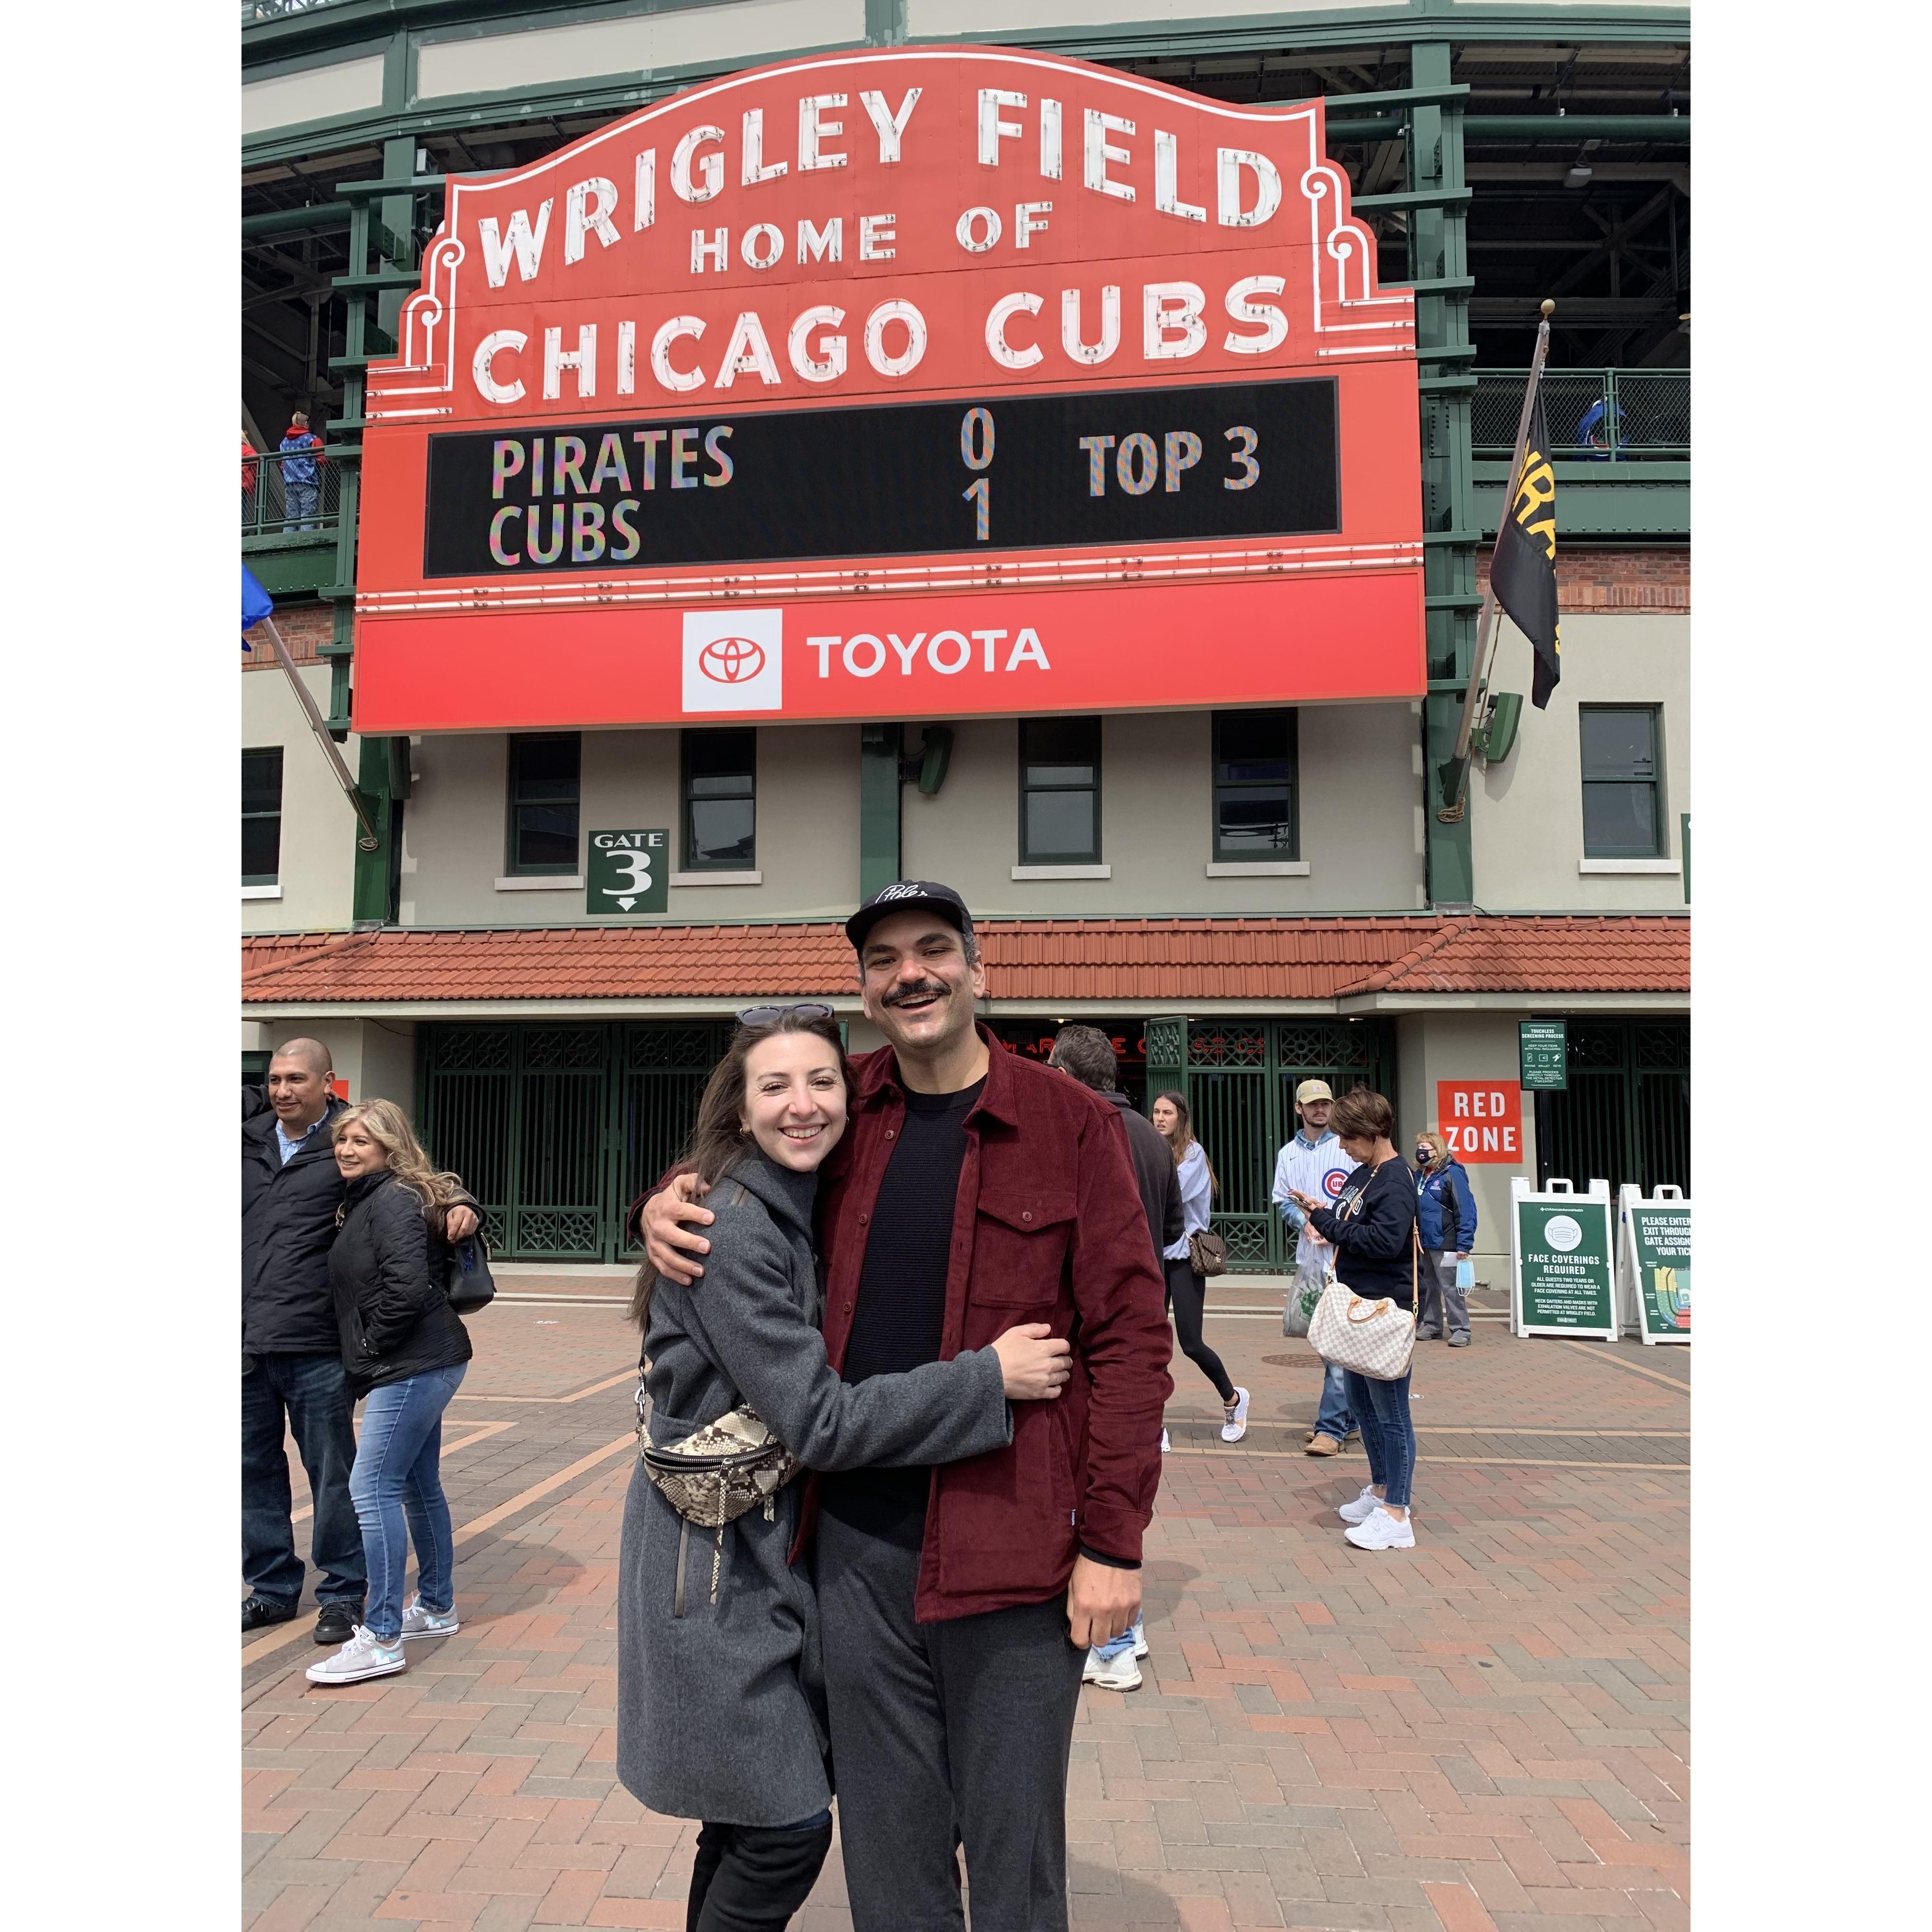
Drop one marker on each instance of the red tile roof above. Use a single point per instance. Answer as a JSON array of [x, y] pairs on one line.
[[1179, 959]]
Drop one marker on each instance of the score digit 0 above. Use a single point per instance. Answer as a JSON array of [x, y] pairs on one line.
[[976, 452]]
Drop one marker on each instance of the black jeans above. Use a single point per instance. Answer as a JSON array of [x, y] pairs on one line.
[[307, 1394], [1187, 1294], [944, 1734], [752, 1878]]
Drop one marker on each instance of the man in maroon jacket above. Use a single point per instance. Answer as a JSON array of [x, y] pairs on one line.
[[972, 1190]]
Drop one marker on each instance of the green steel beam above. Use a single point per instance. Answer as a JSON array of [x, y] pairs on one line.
[[404, 183], [1393, 96], [1425, 197], [1490, 129], [317, 216], [878, 807], [397, 213], [379, 278], [1577, 127], [1438, 269], [374, 898]]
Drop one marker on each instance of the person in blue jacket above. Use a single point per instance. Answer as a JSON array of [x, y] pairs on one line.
[[301, 476], [1445, 1216]]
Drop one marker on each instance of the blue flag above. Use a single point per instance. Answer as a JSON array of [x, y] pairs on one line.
[[256, 604]]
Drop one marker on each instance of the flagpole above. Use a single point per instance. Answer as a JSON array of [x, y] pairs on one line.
[[370, 839], [1487, 625]]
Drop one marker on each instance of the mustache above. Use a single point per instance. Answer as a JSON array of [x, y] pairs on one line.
[[926, 989]]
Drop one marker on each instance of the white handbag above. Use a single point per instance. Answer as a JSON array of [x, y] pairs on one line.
[[1374, 1339]]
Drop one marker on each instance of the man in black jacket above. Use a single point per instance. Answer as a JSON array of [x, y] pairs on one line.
[[292, 1374], [1088, 1055]]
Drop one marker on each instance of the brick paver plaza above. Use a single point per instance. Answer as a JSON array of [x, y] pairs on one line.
[[1488, 1732]]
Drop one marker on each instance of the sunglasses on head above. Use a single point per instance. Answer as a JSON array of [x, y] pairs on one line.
[[765, 1016]]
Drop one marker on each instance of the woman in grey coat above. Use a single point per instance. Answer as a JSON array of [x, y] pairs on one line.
[[721, 1702]]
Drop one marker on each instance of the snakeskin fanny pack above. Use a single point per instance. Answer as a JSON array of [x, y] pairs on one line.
[[714, 1476]]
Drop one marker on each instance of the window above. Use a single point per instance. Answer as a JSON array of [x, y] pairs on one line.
[[1059, 791], [1623, 812], [262, 816], [544, 796], [1255, 779], [721, 801]]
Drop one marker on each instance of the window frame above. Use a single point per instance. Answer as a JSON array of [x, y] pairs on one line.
[[689, 860], [1217, 786], [512, 867], [1660, 845], [1029, 857], [274, 878]]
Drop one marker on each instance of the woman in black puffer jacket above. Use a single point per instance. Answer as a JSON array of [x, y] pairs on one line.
[[405, 1348]]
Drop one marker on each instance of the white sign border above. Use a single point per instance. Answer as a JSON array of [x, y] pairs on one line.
[[1629, 1287], [1597, 1198]]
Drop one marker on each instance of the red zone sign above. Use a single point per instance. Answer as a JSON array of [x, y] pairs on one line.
[[935, 382]]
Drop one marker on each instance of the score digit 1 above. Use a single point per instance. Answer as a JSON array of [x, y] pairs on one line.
[[976, 452]]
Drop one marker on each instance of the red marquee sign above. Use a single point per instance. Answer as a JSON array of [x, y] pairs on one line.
[[939, 382]]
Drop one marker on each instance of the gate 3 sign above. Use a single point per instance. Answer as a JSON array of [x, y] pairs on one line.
[[627, 872], [939, 381]]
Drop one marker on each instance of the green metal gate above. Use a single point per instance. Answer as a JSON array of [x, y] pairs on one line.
[[1240, 1077], [1626, 1116], [556, 1129]]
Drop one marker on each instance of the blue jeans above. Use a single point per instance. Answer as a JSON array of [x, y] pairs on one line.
[[397, 1487], [1335, 1417], [1112, 1648], [305, 1393], [1387, 1434], [303, 502]]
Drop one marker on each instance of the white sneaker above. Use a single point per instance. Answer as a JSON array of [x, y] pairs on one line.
[[1236, 1426], [1163, 1442], [1112, 1673], [1360, 1511], [418, 1620], [364, 1655], [1380, 1530]]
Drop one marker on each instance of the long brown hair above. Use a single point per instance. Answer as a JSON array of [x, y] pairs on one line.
[[389, 1126], [717, 1138], [1184, 1137]]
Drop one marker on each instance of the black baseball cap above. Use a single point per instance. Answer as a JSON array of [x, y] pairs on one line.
[[909, 895]]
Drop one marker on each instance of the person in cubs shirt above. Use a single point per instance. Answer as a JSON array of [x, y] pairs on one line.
[[1313, 1163]]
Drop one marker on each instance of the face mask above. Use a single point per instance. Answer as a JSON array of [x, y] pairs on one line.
[[1423, 1156]]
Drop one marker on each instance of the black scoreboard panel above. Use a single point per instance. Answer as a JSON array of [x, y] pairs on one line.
[[1118, 467]]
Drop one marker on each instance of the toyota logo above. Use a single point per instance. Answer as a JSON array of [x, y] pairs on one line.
[[731, 660]]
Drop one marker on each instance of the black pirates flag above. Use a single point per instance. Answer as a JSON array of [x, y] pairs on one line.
[[1522, 572]]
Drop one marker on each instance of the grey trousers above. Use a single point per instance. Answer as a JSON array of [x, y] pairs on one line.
[[942, 1734], [1445, 1307]]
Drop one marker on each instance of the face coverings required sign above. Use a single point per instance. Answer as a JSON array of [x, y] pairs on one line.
[[1561, 1262]]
